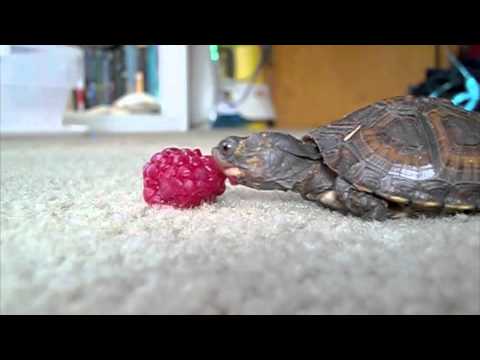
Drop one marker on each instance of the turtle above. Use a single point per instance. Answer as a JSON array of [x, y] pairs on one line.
[[398, 157]]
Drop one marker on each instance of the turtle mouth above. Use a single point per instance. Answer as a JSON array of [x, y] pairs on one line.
[[231, 172]]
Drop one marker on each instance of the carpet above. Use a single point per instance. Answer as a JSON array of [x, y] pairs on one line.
[[77, 238]]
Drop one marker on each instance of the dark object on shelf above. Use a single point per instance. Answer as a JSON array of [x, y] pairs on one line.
[[113, 71], [460, 83], [119, 76], [91, 91], [471, 52]]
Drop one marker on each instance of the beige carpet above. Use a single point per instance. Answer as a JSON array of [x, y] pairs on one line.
[[77, 238]]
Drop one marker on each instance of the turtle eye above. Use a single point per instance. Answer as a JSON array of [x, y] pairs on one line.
[[227, 146]]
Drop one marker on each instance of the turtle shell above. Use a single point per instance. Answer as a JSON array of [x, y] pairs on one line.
[[409, 150]]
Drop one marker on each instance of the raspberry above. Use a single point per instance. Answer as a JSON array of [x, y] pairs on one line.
[[182, 178]]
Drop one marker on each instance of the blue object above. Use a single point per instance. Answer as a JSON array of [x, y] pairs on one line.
[[227, 121], [152, 70], [471, 97], [228, 116], [445, 87], [106, 80], [131, 60]]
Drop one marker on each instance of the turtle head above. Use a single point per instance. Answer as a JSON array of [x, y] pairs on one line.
[[265, 160]]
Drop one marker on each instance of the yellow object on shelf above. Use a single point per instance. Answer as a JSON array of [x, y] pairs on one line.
[[257, 126], [246, 59]]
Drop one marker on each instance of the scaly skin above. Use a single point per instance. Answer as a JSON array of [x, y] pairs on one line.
[[277, 161]]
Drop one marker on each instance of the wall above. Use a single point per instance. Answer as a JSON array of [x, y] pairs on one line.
[[316, 84]]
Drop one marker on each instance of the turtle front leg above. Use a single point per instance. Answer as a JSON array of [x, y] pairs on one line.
[[360, 203]]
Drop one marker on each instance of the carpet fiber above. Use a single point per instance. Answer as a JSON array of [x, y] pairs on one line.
[[77, 238]]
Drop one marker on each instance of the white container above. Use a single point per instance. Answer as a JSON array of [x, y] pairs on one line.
[[35, 86]]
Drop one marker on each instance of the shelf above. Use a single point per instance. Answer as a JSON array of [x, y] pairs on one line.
[[135, 123]]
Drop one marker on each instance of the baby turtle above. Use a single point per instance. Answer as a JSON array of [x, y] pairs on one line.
[[398, 157]]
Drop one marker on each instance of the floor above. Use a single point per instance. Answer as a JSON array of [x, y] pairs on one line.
[[77, 238]]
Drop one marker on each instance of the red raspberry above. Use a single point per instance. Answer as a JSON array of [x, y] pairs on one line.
[[182, 178]]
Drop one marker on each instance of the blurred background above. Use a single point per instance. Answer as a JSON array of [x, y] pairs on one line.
[[165, 88], [78, 124]]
